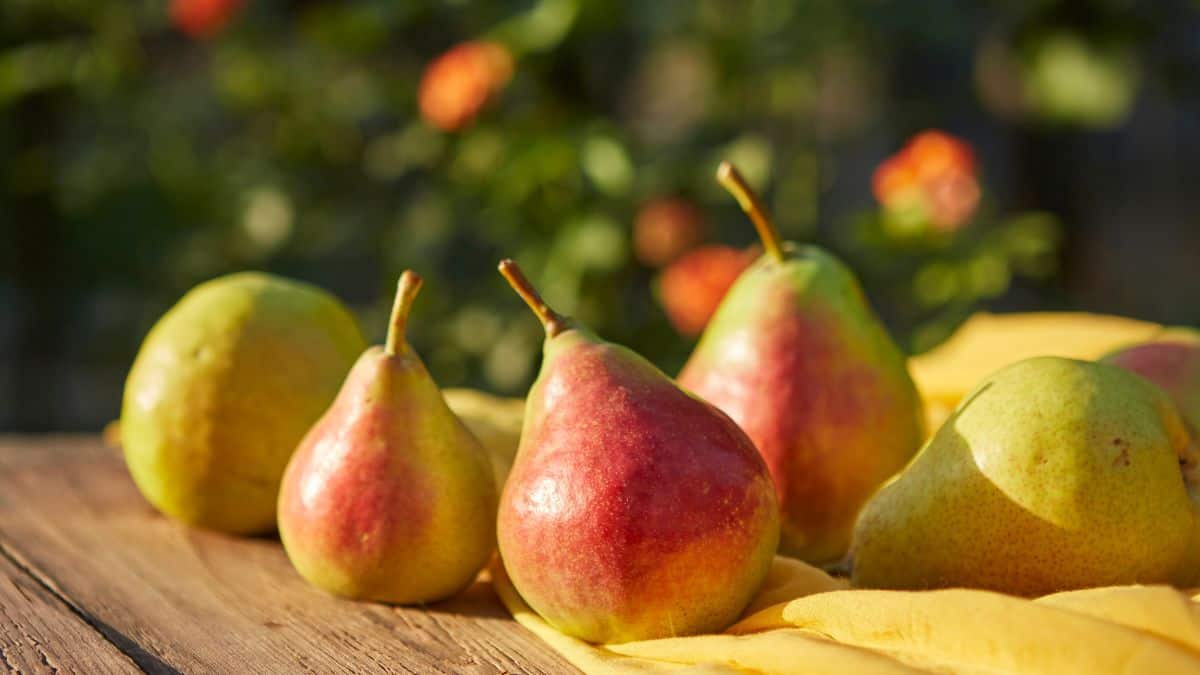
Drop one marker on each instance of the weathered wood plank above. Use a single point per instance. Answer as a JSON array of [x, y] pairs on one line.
[[39, 633], [176, 599]]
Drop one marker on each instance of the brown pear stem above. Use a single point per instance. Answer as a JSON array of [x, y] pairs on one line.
[[406, 292], [553, 322], [731, 179]]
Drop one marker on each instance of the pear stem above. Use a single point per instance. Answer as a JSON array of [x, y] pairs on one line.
[[553, 322], [731, 179], [406, 292]]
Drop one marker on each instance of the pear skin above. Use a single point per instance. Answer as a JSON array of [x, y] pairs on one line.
[[223, 388], [798, 359], [633, 510], [1172, 361], [389, 497], [1054, 474]]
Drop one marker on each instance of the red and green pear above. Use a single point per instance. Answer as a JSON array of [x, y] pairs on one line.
[[634, 510], [389, 497], [1172, 361], [796, 356]]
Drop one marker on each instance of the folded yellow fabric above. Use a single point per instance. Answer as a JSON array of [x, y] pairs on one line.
[[987, 342], [804, 621]]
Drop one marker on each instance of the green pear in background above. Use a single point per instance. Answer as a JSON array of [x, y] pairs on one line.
[[1172, 361], [1052, 474], [224, 387], [798, 359]]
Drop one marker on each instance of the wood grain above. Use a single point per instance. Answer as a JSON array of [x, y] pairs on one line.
[[180, 600], [38, 632]]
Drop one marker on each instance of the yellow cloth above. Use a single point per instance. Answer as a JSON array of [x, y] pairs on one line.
[[804, 621], [987, 342]]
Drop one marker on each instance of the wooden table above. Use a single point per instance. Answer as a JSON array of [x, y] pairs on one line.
[[93, 580]]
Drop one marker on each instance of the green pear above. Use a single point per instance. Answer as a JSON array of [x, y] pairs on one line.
[[1172, 361], [223, 388], [389, 497], [798, 359], [1053, 474]]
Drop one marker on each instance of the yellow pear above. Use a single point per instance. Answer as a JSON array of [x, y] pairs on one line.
[[1053, 474], [223, 389]]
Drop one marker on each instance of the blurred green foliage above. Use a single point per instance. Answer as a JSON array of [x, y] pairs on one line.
[[291, 142]]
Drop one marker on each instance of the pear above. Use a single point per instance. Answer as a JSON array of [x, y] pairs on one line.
[[634, 510], [223, 388], [1172, 361], [796, 356], [1053, 474], [389, 497]]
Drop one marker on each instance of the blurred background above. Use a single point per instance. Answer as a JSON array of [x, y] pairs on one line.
[[1015, 155]]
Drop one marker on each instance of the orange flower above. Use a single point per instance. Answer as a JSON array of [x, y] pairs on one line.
[[201, 19], [664, 229], [934, 153], [934, 171], [895, 175], [953, 197], [692, 287], [457, 84]]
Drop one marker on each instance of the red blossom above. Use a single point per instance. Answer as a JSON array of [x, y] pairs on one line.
[[202, 19]]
